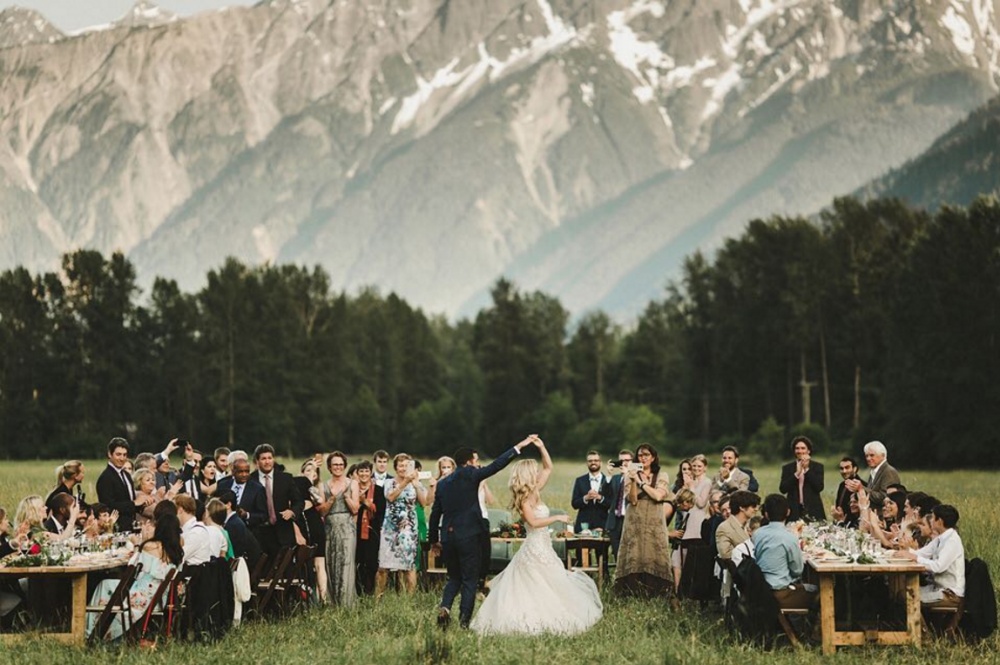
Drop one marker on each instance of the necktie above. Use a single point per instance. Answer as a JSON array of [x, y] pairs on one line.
[[239, 493], [271, 516], [128, 484]]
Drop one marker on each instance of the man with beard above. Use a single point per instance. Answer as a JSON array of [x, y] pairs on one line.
[[589, 497]]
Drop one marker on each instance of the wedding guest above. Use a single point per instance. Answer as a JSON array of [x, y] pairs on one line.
[[215, 518], [802, 482], [777, 552], [380, 460], [310, 523], [849, 472], [944, 558], [157, 555], [742, 507], [63, 513], [29, 516], [678, 509], [197, 540], [243, 541], [144, 482], [371, 513], [209, 478], [282, 501], [114, 486], [701, 487], [643, 560], [882, 473], [221, 456], [398, 549], [251, 500], [615, 490], [69, 480], [683, 473], [589, 498], [340, 505], [730, 478]]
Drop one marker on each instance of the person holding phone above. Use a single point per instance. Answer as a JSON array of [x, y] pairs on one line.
[[399, 546], [643, 556]]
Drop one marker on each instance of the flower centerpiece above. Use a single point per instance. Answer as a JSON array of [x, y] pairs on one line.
[[41, 553], [509, 530]]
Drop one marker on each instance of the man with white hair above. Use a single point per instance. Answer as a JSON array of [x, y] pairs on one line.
[[882, 474]]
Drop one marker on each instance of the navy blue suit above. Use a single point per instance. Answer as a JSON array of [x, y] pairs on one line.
[[253, 501], [613, 525], [457, 521], [594, 513]]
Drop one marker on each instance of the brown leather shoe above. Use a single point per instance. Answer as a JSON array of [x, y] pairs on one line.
[[444, 617]]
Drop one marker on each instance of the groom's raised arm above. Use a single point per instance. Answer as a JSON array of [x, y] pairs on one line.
[[499, 463]]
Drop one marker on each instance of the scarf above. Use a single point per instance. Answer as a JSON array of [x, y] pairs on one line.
[[368, 512]]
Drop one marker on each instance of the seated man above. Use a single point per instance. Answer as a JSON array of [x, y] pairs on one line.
[[777, 553], [732, 532], [944, 559]]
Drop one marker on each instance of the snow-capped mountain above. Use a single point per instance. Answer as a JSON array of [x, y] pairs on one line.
[[20, 26], [580, 146]]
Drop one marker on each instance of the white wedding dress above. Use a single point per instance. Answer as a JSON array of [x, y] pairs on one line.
[[535, 593]]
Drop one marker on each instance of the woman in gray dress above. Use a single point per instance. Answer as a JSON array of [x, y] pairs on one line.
[[340, 505]]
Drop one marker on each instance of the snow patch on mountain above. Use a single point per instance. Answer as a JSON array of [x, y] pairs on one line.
[[961, 31]]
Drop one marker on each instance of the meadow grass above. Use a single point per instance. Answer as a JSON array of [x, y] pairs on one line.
[[401, 628]]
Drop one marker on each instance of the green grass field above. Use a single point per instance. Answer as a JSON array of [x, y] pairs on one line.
[[401, 628]]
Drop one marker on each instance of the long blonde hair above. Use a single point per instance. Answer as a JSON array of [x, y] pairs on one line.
[[30, 510], [523, 483]]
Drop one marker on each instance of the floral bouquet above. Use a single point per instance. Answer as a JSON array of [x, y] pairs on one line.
[[509, 530]]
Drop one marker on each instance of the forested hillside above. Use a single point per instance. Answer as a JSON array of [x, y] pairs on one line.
[[879, 322]]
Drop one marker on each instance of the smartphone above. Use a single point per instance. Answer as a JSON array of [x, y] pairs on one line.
[[424, 475], [616, 463], [635, 466]]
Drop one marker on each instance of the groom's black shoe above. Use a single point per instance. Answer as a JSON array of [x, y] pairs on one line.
[[463, 622], [444, 617]]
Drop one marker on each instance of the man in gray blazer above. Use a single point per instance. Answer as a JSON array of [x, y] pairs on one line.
[[882, 474]]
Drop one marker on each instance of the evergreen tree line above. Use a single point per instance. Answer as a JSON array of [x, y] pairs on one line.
[[880, 321]]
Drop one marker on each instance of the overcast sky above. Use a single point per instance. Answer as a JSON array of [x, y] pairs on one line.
[[71, 15]]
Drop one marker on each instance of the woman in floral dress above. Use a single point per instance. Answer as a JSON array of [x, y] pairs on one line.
[[399, 547], [158, 556]]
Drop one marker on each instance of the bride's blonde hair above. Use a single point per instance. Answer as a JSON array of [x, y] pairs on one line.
[[523, 482]]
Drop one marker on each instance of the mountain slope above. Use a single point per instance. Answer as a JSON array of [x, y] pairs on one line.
[[427, 147], [958, 167]]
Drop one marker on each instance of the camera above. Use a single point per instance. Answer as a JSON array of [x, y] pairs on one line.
[[616, 463], [635, 466]]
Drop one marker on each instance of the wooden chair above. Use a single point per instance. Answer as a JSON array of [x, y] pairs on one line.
[[155, 613], [177, 621], [432, 568], [258, 570], [118, 606], [946, 618], [786, 625], [295, 592], [589, 555], [266, 589]]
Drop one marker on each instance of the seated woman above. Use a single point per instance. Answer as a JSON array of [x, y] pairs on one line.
[[158, 556], [944, 559]]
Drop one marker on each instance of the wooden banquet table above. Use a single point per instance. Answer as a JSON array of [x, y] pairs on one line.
[[77, 574], [903, 574]]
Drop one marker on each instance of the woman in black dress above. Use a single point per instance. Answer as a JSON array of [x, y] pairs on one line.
[[310, 524], [370, 516]]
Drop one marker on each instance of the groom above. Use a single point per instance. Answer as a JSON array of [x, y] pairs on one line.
[[456, 514]]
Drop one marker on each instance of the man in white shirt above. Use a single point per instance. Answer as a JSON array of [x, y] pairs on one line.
[[589, 497], [944, 559], [380, 462], [197, 541]]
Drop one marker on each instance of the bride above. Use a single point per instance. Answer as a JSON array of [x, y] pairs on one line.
[[535, 593]]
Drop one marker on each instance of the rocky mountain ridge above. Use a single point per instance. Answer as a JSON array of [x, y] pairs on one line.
[[579, 146]]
